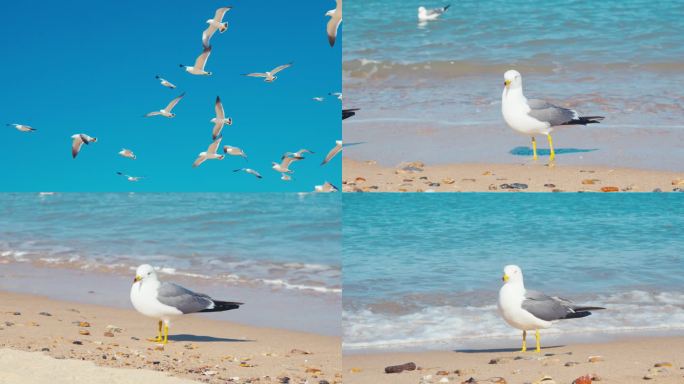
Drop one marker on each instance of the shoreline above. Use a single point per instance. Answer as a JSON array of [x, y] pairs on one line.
[[200, 348], [625, 361], [369, 176], [265, 307]]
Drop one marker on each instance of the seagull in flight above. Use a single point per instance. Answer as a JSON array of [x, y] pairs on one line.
[[127, 153], [269, 76], [220, 120], [333, 152], [129, 177], [166, 111], [234, 151], [22, 127], [284, 166], [326, 187], [210, 154], [163, 301], [299, 155], [77, 142], [215, 24], [200, 62], [250, 171], [165, 82], [334, 22]]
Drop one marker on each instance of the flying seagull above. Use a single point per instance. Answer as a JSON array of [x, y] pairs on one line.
[[250, 171], [200, 62], [536, 117], [334, 22], [431, 14], [338, 95], [22, 127], [127, 153], [326, 187], [215, 24], [530, 310], [269, 77], [285, 177], [210, 154], [317, 98], [299, 155], [162, 300], [220, 120], [164, 82], [333, 152], [166, 111], [284, 166], [347, 113], [234, 151], [78, 140], [129, 177]]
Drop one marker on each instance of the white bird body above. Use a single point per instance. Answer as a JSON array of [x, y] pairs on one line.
[[269, 76], [215, 24], [143, 298], [515, 110], [165, 82], [166, 111], [22, 127], [220, 120], [325, 187], [250, 171], [333, 152], [209, 154], [77, 142], [127, 153], [200, 63], [425, 14], [511, 296], [234, 151], [334, 22]]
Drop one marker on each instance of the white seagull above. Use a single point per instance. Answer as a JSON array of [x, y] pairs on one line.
[[326, 187], [334, 22], [215, 24], [317, 98], [338, 95], [220, 120], [431, 14], [269, 76], [299, 155], [234, 151], [210, 154], [200, 62], [129, 177], [22, 127], [127, 153], [284, 166], [164, 82], [162, 300], [78, 140], [250, 171], [333, 152], [166, 111], [285, 177], [530, 310], [535, 117]]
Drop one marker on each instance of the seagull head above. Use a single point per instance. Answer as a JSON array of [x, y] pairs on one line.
[[512, 274], [512, 79], [144, 272], [421, 9]]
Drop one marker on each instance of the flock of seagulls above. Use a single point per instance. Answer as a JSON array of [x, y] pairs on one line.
[[214, 151]]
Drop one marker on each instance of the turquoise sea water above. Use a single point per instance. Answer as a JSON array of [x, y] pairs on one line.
[[283, 241], [423, 271]]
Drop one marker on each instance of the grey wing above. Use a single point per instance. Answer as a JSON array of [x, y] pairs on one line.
[[183, 299], [552, 114], [546, 307]]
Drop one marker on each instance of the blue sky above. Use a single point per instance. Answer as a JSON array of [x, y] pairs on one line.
[[76, 67]]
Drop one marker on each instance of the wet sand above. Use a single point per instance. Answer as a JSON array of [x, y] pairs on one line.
[[200, 348], [658, 360], [416, 176]]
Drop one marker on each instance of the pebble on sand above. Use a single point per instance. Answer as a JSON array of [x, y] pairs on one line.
[[411, 366]]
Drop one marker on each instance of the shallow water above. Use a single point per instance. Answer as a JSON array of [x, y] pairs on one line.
[[423, 271]]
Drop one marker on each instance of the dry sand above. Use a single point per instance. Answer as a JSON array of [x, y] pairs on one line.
[[620, 362], [369, 176], [199, 349]]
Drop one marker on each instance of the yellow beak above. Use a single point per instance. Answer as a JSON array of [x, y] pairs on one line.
[[137, 278], [507, 83], [505, 278]]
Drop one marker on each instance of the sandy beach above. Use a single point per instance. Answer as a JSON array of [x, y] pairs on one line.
[[200, 348], [417, 176], [659, 360]]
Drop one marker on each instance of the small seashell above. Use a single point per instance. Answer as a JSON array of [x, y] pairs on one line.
[[610, 189]]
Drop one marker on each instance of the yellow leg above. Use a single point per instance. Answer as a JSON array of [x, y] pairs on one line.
[[538, 339], [166, 334], [553, 153], [524, 346], [534, 148], [159, 334]]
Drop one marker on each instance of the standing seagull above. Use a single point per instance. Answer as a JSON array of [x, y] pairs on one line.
[[78, 140], [431, 14], [220, 120], [250, 171], [22, 127], [530, 310], [210, 154], [164, 82], [163, 301], [200, 62], [535, 117], [270, 76], [234, 151], [333, 152], [166, 111], [334, 22], [127, 153], [215, 24], [326, 187]]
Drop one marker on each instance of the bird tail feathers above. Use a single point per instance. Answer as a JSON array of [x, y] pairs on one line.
[[220, 306]]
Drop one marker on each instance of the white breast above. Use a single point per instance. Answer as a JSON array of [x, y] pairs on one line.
[[515, 112], [144, 300], [510, 301]]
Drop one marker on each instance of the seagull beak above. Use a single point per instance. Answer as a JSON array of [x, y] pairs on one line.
[[137, 278], [507, 83], [505, 278]]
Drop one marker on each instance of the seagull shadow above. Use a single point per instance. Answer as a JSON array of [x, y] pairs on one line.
[[198, 338], [527, 151], [502, 350]]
